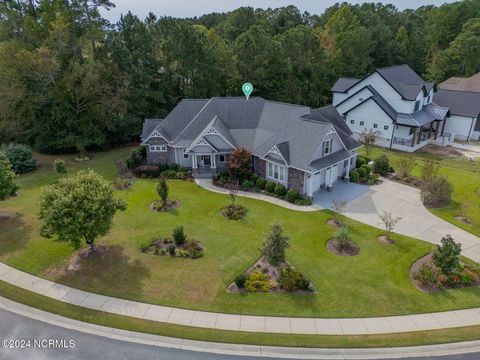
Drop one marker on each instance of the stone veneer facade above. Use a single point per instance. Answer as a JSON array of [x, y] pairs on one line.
[[157, 157], [296, 177]]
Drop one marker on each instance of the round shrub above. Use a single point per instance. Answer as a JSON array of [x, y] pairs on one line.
[[354, 176], [366, 167], [362, 172], [254, 178], [240, 280], [59, 166], [293, 195], [261, 182], [280, 190], [247, 184], [270, 186], [20, 157], [382, 165], [360, 161]]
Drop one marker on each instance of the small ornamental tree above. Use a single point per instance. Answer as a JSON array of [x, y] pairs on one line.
[[382, 165], [7, 178], [389, 221], [232, 191], [80, 206], [240, 164], [162, 190], [339, 205], [179, 236], [447, 255], [275, 245], [430, 170], [436, 192], [368, 138], [20, 157], [405, 166]]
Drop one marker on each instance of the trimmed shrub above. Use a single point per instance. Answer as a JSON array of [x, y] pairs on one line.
[[136, 157], [280, 190], [59, 166], [254, 178], [240, 281], [354, 176], [258, 281], [366, 167], [382, 165], [360, 161], [293, 195], [436, 192], [292, 279], [270, 186], [147, 171], [261, 182], [20, 157], [247, 185], [447, 255], [179, 236], [171, 249], [169, 174], [304, 202], [362, 172]]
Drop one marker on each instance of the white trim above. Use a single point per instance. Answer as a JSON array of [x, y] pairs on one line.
[[201, 142], [274, 150], [210, 130], [162, 148], [280, 166], [155, 134]]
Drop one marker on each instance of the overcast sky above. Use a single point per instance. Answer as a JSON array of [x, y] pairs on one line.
[[190, 8]]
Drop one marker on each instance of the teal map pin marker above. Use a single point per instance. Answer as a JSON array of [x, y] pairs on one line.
[[247, 89]]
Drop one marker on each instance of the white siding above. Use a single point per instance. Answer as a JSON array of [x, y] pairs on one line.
[[354, 101], [459, 125], [370, 113]]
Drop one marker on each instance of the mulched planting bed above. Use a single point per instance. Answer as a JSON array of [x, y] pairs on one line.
[[334, 223], [350, 250], [191, 249], [441, 282], [463, 219], [263, 266], [234, 212], [156, 205], [384, 239]]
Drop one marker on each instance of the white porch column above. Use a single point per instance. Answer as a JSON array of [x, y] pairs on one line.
[[214, 165], [194, 161], [347, 175]]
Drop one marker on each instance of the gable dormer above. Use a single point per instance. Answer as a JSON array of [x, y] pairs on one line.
[[279, 153], [330, 144]]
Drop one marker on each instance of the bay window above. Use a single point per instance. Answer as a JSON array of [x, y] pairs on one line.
[[276, 172]]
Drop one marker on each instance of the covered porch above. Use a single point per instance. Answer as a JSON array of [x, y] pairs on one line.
[[208, 164], [411, 138]]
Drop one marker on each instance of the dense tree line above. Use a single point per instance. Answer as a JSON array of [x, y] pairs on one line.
[[71, 81]]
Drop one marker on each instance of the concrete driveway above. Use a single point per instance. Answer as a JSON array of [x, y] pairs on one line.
[[403, 201]]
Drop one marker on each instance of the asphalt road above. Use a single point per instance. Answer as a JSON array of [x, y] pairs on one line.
[[81, 346]]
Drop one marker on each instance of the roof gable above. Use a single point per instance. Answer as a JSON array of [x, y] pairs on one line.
[[462, 103]]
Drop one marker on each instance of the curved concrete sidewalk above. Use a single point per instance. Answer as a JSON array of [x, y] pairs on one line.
[[207, 184], [467, 347], [265, 324]]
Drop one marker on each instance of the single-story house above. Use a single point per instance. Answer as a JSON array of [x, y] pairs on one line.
[[299, 147]]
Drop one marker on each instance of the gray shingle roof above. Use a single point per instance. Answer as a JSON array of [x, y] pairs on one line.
[[148, 126], [461, 103], [343, 84], [328, 160], [258, 125], [403, 79]]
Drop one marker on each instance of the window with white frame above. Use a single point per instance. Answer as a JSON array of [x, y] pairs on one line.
[[327, 146], [375, 126], [185, 155], [276, 172], [221, 158], [385, 127], [362, 123], [352, 121], [158, 148]]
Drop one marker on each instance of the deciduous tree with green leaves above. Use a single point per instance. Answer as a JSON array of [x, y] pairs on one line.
[[447, 255], [78, 207]]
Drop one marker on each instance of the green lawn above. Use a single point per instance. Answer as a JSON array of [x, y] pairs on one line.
[[463, 174], [373, 283]]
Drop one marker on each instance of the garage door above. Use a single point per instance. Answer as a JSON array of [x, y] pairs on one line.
[[316, 182]]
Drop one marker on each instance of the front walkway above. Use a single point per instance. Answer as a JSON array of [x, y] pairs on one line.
[[207, 184], [219, 321], [417, 221]]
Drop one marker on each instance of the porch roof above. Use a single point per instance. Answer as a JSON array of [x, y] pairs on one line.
[[429, 113], [329, 160]]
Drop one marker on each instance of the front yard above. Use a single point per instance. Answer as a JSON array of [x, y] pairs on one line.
[[462, 173], [375, 282]]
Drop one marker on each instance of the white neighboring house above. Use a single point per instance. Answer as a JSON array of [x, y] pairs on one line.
[[394, 101], [462, 97]]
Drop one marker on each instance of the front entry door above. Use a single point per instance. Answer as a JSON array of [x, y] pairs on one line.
[[207, 161]]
